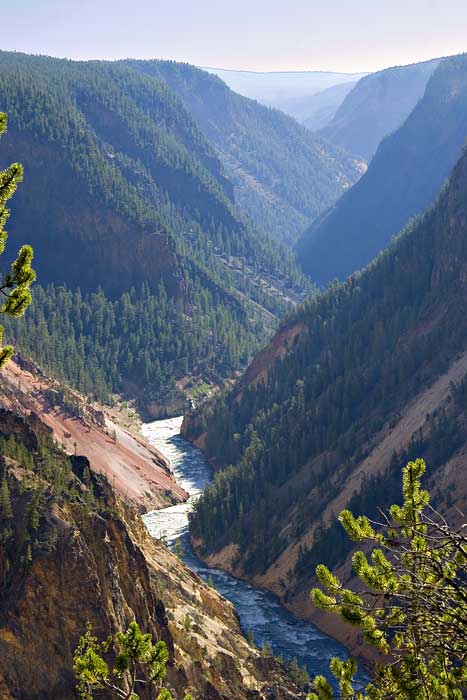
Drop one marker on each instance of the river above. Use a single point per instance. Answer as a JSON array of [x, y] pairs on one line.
[[258, 610]]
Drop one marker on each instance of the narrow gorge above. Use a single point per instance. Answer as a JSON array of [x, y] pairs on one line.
[[260, 613]]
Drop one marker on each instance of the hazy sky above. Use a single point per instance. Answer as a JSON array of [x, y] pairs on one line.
[[341, 35]]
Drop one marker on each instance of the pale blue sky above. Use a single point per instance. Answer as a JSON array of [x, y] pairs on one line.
[[340, 35]]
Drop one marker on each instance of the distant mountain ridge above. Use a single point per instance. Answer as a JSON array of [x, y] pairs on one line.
[[285, 90], [318, 110], [377, 105], [404, 176], [283, 175]]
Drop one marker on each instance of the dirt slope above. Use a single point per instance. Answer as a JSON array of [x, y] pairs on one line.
[[137, 471]]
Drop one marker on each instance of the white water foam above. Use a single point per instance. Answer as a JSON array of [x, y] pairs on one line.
[[258, 610]]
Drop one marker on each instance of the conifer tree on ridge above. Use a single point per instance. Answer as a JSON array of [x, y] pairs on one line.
[[15, 285]]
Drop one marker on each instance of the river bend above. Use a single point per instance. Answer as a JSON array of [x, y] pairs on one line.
[[258, 610]]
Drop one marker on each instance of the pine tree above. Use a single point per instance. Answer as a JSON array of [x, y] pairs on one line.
[[28, 555], [16, 283], [412, 604], [5, 501], [136, 660], [179, 549]]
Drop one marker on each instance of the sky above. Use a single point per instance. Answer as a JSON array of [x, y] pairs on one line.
[[262, 35]]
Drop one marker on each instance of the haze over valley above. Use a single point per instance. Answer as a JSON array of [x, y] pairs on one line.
[[233, 352]]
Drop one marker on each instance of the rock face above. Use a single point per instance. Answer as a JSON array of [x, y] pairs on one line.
[[95, 562], [137, 471]]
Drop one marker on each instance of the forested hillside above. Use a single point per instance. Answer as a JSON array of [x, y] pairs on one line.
[[105, 345], [360, 378], [123, 192], [377, 105], [402, 179], [283, 175]]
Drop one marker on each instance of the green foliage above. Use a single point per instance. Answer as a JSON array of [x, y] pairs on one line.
[[412, 605], [5, 501], [179, 549], [283, 175], [141, 339], [133, 146], [135, 196], [89, 667], [165, 694], [134, 654], [50, 468], [286, 445], [298, 674], [440, 438], [35, 475], [15, 284], [187, 622]]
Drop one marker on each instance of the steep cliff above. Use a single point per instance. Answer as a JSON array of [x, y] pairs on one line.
[[136, 470], [72, 552]]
